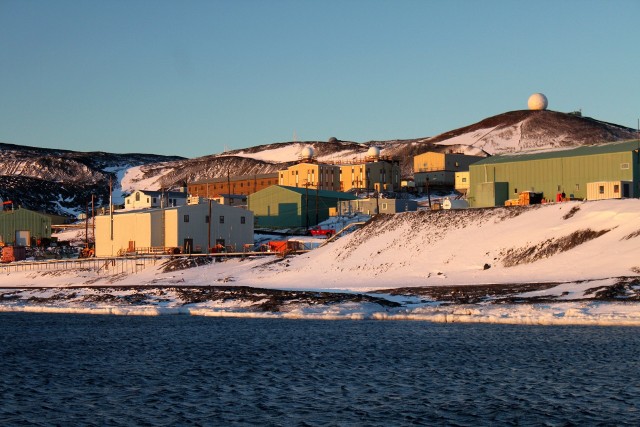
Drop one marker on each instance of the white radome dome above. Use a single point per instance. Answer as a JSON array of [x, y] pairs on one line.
[[538, 101], [373, 152], [307, 153]]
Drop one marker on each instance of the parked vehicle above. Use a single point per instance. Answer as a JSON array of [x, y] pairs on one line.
[[318, 231]]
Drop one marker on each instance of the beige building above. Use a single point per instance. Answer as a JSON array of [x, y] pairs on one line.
[[375, 172], [191, 228], [440, 168], [372, 173], [144, 199], [378, 175], [462, 184], [240, 185], [313, 175]]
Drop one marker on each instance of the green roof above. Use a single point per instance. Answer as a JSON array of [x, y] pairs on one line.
[[585, 150], [321, 193]]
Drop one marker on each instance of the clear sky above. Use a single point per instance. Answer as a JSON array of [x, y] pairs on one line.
[[192, 78]]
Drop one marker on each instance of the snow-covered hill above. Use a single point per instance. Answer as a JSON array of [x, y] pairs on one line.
[[62, 181], [511, 132], [575, 262]]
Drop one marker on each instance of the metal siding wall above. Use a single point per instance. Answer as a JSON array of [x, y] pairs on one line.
[[545, 175]]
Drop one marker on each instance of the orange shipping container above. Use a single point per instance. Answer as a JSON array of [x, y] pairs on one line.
[[13, 253]]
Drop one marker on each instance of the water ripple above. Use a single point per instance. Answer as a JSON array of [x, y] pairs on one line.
[[115, 371]]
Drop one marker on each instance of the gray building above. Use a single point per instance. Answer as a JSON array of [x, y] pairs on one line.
[[372, 206]]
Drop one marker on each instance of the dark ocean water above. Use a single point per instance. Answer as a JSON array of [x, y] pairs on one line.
[[178, 370]]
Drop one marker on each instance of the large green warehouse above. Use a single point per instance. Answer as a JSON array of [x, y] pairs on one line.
[[281, 206], [499, 178], [20, 226]]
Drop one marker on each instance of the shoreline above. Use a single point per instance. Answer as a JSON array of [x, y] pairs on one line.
[[558, 314]]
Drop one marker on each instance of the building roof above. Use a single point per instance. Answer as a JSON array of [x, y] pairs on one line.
[[154, 193], [321, 193], [585, 150], [236, 178]]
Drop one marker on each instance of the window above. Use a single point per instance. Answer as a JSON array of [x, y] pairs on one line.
[[186, 218], [601, 189], [616, 188], [624, 165], [155, 200], [221, 219], [206, 219], [577, 187], [464, 179], [137, 197], [384, 206], [128, 201], [243, 220], [515, 191], [148, 200]]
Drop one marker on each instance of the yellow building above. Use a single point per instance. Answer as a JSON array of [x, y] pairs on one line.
[[440, 168], [240, 185], [462, 182], [311, 174], [373, 173], [191, 228]]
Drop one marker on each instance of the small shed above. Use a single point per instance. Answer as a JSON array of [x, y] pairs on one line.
[[609, 190]]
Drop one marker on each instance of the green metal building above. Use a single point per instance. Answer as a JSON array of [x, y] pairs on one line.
[[499, 178], [280, 206], [24, 226]]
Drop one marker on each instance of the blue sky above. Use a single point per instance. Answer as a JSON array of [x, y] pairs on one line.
[[192, 78]]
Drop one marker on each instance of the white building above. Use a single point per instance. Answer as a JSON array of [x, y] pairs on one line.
[[189, 228], [141, 199]]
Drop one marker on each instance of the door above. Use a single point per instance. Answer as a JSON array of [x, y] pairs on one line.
[[626, 191], [188, 246]]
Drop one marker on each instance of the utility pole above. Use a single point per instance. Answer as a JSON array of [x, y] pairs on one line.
[[111, 207], [306, 209], [86, 227], [317, 215], [209, 232], [93, 219]]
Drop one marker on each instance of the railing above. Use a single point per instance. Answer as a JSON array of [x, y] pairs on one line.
[[111, 266], [347, 229], [106, 266]]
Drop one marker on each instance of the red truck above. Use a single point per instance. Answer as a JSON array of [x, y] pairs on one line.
[[317, 231]]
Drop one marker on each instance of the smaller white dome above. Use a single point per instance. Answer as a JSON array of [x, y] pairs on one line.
[[538, 101], [373, 152], [307, 153]]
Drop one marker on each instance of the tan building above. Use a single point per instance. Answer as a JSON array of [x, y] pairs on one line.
[[378, 175], [144, 199], [313, 175], [375, 172], [440, 168], [462, 184], [185, 227], [241, 185], [372, 173]]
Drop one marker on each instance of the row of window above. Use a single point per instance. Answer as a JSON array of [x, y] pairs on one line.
[[224, 185], [243, 219]]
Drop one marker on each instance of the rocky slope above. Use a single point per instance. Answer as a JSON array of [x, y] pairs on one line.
[[62, 181]]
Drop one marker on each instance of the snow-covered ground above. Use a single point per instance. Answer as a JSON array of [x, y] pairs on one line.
[[566, 263]]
